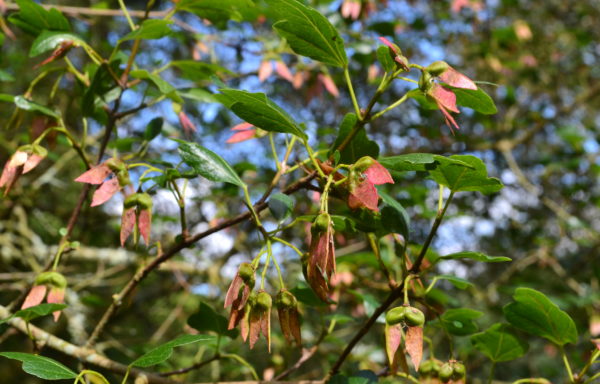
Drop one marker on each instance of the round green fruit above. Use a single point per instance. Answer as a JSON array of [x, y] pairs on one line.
[[445, 373], [395, 315], [458, 371], [414, 317]]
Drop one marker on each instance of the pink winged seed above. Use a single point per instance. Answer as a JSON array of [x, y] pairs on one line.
[[377, 174], [35, 296], [95, 175], [127, 224], [365, 195], [144, 224], [414, 345], [456, 79], [105, 192], [56, 296]]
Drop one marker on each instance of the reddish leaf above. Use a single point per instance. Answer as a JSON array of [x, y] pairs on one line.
[[377, 174], [456, 79], [56, 296], [241, 136], [127, 224], [283, 71], [144, 224], [95, 175], [35, 296], [414, 345], [242, 127], [58, 53], [365, 195], [105, 192], [265, 70], [393, 338]]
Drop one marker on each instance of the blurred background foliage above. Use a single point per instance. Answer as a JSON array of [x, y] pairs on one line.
[[538, 59]]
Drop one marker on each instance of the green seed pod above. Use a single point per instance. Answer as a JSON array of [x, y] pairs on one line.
[[425, 81], [458, 371], [264, 301], [363, 163], [246, 272], [123, 177], [285, 300], [322, 222], [445, 373], [39, 150], [414, 317], [426, 368], [131, 201], [395, 315], [435, 369], [437, 68], [53, 279], [144, 201], [115, 165]]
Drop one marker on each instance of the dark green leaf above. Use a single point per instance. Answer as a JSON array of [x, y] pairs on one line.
[[359, 146], [36, 311], [41, 366], [217, 11], [477, 256], [28, 105], [208, 164], [499, 343], [196, 70], [477, 100], [33, 18], [150, 29], [5, 76], [393, 216], [258, 110], [207, 320], [153, 128], [385, 59], [460, 321], [162, 353], [456, 281], [199, 94], [308, 32], [458, 177], [281, 206], [307, 296], [164, 87], [101, 86], [534, 313], [49, 41]]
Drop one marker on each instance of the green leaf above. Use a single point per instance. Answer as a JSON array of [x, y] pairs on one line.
[[153, 129], [36, 311], [307, 296], [49, 41], [534, 313], [499, 343], [150, 29], [164, 87], [217, 11], [1, 39], [477, 100], [385, 59], [460, 321], [33, 18], [197, 71], [418, 162], [162, 353], [424, 101], [456, 281], [258, 110], [207, 320], [7, 98], [101, 86], [393, 216], [28, 105], [308, 32], [5, 76], [477, 256], [281, 206], [208, 164], [40, 366], [199, 94], [359, 146], [459, 178]]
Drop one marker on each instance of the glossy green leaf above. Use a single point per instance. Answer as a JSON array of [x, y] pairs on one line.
[[534, 313], [163, 86], [199, 94], [162, 353], [36, 311], [153, 129], [417, 162], [49, 41], [207, 320], [307, 296], [33, 18], [40, 366], [477, 256], [460, 321], [208, 164], [281, 205], [477, 100], [385, 58], [359, 146], [217, 11], [499, 343], [197, 70], [456, 281], [258, 110], [308, 32], [150, 29], [28, 105], [461, 178], [393, 216]]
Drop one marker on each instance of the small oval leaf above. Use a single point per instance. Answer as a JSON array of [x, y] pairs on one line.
[[40, 366], [208, 164]]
